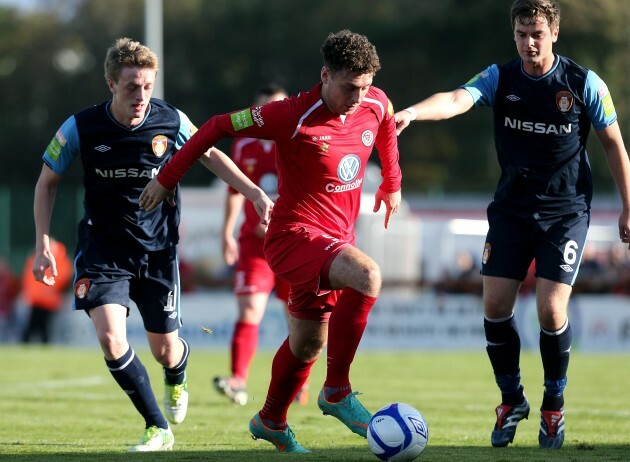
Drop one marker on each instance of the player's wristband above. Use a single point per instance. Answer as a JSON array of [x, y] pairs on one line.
[[414, 114]]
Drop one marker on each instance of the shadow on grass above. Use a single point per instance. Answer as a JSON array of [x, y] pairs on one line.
[[64, 452]]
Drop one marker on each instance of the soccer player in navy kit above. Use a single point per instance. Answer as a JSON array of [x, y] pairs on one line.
[[124, 252], [544, 105]]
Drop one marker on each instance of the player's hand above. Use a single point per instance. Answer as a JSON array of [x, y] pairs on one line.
[[391, 201], [263, 206], [45, 267], [230, 250], [154, 193], [624, 228], [403, 119]]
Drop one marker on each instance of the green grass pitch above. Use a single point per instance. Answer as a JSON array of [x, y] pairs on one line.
[[61, 404]]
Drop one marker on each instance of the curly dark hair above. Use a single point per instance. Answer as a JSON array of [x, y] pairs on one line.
[[350, 51]]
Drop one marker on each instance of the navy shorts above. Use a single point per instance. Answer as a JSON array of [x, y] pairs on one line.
[[555, 243], [150, 279]]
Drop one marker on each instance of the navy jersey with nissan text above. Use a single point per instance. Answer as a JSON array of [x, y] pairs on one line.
[[118, 162], [541, 126]]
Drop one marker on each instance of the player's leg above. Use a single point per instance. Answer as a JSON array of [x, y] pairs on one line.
[[130, 374], [555, 346], [508, 253], [503, 346], [251, 309], [282, 290], [253, 281], [557, 263], [156, 293], [290, 368], [359, 277], [172, 351]]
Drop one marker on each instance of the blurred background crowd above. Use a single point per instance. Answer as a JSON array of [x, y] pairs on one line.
[[215, 55]]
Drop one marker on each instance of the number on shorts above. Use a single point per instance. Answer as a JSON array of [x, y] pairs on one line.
[[570, 252]]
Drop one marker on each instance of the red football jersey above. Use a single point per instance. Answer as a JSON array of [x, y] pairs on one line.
[[256, 159], [321, 156]]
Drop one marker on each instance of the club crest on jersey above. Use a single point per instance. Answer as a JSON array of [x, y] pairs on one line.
[[81, 288], [367, 137], [159, 145], [564, 100], [486, 253]]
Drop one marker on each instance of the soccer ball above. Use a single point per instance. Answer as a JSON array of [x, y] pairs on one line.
[[397, 432]]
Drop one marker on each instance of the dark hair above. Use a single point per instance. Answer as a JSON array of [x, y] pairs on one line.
[[350, 51], [531, 9], [270, 89]]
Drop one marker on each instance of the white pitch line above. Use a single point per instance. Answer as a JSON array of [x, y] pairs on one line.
[[91, 381]]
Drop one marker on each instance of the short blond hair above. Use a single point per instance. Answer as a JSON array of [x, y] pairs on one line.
[[127, 52]]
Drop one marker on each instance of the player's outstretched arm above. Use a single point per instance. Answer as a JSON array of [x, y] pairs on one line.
[[223, 167], [439, 106]]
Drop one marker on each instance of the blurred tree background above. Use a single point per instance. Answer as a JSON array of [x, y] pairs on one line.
[[218, 52]]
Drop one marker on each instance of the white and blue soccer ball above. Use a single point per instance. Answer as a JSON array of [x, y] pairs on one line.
[[397, 432]]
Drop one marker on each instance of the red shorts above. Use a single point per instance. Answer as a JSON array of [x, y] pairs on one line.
[[302, 257], [252, 273]]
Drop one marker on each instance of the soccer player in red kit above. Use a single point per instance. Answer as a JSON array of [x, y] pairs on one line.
[[325, 137], [253, 279]]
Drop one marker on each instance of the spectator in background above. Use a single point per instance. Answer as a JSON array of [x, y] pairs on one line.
[[9, 289], [253, 279], [463, 277], [45, 300]]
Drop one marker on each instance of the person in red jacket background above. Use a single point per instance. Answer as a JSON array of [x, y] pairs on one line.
[[44, 301]]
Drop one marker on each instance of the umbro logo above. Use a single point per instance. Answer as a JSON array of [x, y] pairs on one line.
[[102, 148], [513, 98], [567, 268]]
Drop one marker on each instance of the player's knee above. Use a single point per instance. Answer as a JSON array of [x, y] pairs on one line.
[[310, 351], [370, 279], [495, 308], [113, 347], [307, 348]]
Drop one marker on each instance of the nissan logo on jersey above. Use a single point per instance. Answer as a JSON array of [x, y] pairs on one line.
[[348, 168]]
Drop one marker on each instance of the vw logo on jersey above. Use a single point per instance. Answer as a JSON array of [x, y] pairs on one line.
[[367, 137], [349, 167], [269, 183], [159, 144]]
